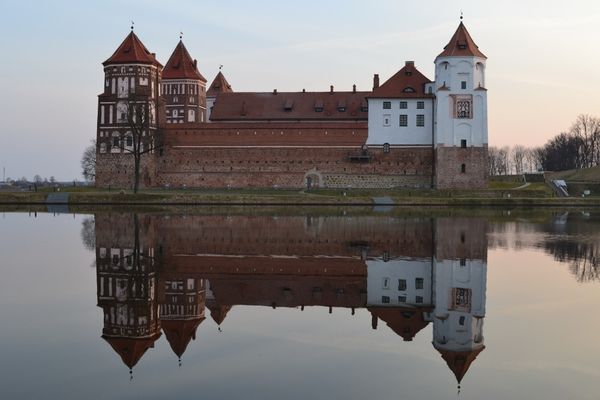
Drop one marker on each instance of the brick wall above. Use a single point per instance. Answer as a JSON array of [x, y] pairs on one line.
[[116, 170], [448, 169]]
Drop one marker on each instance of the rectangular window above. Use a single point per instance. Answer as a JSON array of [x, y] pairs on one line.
[[402, 284], [463, 168], [129, 141], [403, 105], [116, 141], [419, 300], [403, 120], [463, 143], [385, 299], [401, 299], [463, 262], [418, 283], [463, 85], [420, 120], [387, 105], [385, 283], [420, 105]]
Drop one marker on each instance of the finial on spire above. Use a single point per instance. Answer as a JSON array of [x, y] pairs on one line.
[[180, 35], [132, 24], [220, 67], [461, 15], [179, 362], [130, 374]]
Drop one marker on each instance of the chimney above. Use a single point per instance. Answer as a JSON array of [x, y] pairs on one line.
[[303, 90], [274, 91], [195, 63], [409, 63], [331, 89], [354, 88], [375, 81]]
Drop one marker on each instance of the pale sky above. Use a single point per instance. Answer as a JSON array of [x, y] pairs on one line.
[[542, 68]]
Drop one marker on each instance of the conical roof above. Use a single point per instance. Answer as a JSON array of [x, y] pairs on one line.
[[219, 85], [461, 45], [180, 332], [459, 361], [218, 312], [132, 50], [181, 65], [130, 349]]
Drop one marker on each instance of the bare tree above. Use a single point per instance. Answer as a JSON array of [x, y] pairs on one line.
[[88, 233], [139, 112], [88, 163], [37, 179], [587, 129]]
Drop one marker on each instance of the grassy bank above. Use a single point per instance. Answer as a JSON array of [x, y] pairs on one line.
[[498, 195]]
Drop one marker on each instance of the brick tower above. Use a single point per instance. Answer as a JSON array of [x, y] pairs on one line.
[[184, 88], [461, 134], [131, 76]]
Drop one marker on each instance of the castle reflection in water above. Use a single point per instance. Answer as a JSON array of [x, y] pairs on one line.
[[160, 273]]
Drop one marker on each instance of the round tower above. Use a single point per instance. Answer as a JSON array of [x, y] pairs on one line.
[[461, 134]]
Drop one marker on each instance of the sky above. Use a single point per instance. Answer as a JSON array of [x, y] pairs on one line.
[[542, 68]]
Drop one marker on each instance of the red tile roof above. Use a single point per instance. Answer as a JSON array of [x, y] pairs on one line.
[[132, 50], [461, 45], [181, 65], [218, 312], [180, 332], [131, 349], [290, 106], [406, 83], [219, 85], [405, 322], [460, 361]]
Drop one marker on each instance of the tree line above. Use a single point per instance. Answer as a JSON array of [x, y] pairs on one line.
[[577, 148]]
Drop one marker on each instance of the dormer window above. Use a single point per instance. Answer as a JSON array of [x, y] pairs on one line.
[[289, 104], [409, 89], [319, 106], [364, 107], [462, 45], [341, 106]]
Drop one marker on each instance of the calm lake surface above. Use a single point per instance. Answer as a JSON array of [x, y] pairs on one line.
[[228, 304]]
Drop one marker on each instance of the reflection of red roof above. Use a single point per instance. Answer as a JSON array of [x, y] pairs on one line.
[[290, 106], [460, 361], [409, 82], [181, 65], [132, 50], [461, 45], [219, 85], [405, 322], [130, 349], [180, 332], [218, 313]]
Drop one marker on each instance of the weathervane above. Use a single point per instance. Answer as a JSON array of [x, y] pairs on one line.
[[132, 23], [461, 15], [220, 67], [180, 35]]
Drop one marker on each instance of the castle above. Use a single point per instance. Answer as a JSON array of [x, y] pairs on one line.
[[407, 132]]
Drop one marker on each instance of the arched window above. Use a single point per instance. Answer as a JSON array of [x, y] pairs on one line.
[[408, 89]]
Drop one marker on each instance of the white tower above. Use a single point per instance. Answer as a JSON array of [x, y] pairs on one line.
[[461, 134]]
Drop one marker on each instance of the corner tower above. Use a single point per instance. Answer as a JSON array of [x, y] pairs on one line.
[[461, 134], [131, 77], [184, 88]]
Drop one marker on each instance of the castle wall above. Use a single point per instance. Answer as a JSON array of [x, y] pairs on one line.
[[116, 170]]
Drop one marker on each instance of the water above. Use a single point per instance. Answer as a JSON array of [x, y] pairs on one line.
[[300, 304]]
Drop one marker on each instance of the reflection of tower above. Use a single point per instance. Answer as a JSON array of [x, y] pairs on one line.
[[459, 287], [218, 311], [126, 287], [181, 309]]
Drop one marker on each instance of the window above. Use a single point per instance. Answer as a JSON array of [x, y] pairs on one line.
[[385, 299], [419, 299], [403, 105], [386, 120], [385, 283], [463, 107], [461, 320], [461, 299], [401, 299], [463, 168], [463, 262], [408, 89], [116, 141], [420, 120], [402, 284], [463, 85], [387, 105], [420, 105], [418, 283], [403, 120], [386, 150], [463, 143], [129, 141]]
